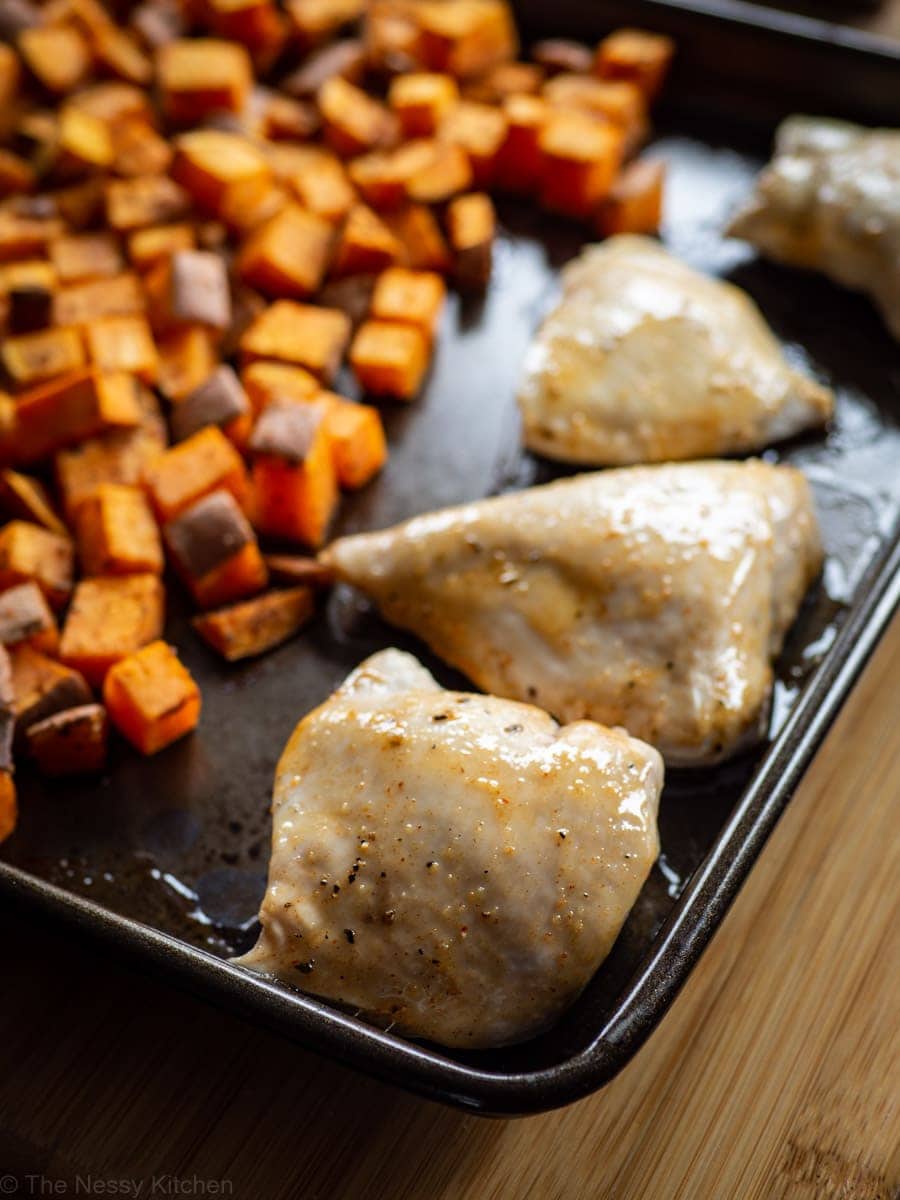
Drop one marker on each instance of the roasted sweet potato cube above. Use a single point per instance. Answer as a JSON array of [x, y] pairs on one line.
[[220, 401], [264, 381], [618, 101], [25, 616], [201, 76], [220, 170], [294, 479], [9, 809], [281, 118], [25, 237], [520, 161], [83, 143], [424, 245], [471, 226], [410, 298], [254, 626], [300, 570], [118, 296], [448, 173], [256, 24], [109, 618], [27, 499], [120, 54], [190, 288], [480, 129], [389, 359], [187, 357], [113, 101], [203, 463], [382, 177], [352, 294], [32, 358], [138, 149], [119, 457], [10, 73], [366, 244], [634, 202], [246, 305], [345, 57], [77, 257], [506, 79], [72, 742], [640, 57], [421, 101], [581, 157], [58, 55], [353, 121], [323, 187], [558, 55], [80, 204], [72, 407], [117, 533], [358, 444], [32, 272], [41, 686], [302, 334], [214, 551], [467, 37], [147, 200], [146, 247], [16, 175], [123, 344], [152, 698], [288, 255], [314, 21]]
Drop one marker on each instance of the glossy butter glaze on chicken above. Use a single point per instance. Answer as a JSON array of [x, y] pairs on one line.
[[454, 865], [830, 201], [646, 360], [649, 597]]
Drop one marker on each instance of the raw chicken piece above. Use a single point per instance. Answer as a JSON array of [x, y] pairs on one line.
[[646, 360], [830, 200], [455, 865], [649, 597]]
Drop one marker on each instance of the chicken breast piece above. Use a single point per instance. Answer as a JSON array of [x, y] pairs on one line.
[[455, 865], [830, 201], [645, 360], [649, 597]]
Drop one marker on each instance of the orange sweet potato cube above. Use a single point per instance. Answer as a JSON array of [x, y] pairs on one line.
[[138, 149], [480, 129], [314, 21], [504, 80], [424, 245], [152, 698], [118, 296], [615, 100], [27, 498], [147, 246], [353, 121], [421, 101], [639, 57], [58, 55], [448, 173], [634, 202], [471, 226], [123, 344], [200, 76], [32, 358], [72, 407], [187, 356], [301, 334], [288, 255], [41, 686], [366, 244], [81, 256], [256, 24], [467, 37], [581, 157], [520, 161], [294, 480], [389, 359], [255, 626], [117, 533], [266, 381], [147, 200], [382, 176], [358, 444], [410, 298], [221, 171], [109, 618], [214, 551], [83, 143], [183, 474]]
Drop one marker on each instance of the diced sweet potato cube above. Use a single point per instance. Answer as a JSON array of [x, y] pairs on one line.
[[109, 618], [9, 809], [302, 334], [467, 37], [85, 256], [294, 480], [138, 149], [256, 24], [32, 272], [83, 143], [221, 171], [16, 175], [281, 118], [190, 288], [147, 200], [323, 187], [119, 457], [618, 101], [220, 401], [642, 58], [581, 158], [31, 553], [480, 130], [410, 298], [42, 687], [214, 550], [366, 244], [187, 357], [244, 214], [24, 237], [358, 444], [288, 255], [113, 101], [72, 407], [118, 296], [634, 202], [72, 742], [352, 294], [246, 305], [10, 75], [424, 245], [558, 55], [471, 226], [506, 79], [346, 57], [201, 76], [117, 52], [389, 360], [34, 357], [255, 626], [520, 161], [300, 570], [123, 344], [117, 533], [353, 121], [264, 381], [203, 463], [382, 177], [421, 101], [449, 173], [152, 698], [25, 616], [27, 499], [146, 247], [58, 55]]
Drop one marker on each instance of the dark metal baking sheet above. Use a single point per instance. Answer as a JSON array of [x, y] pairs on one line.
[[166, 858]]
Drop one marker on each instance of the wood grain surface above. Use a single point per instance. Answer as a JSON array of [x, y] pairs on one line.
[[774, 1076]]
